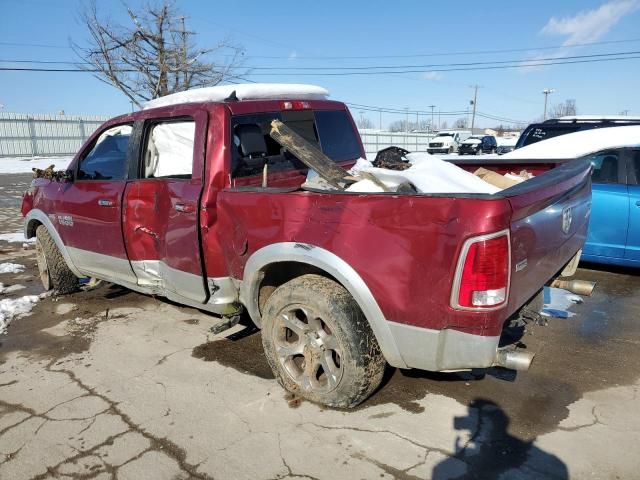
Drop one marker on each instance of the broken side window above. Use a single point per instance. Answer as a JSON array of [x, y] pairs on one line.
[[169, 150]]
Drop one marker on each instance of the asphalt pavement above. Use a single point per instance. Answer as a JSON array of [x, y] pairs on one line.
[[108, 383]]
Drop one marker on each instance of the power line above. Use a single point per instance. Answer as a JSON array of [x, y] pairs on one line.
[[374, 67], [523, 64], [520, 64], [355, 57]]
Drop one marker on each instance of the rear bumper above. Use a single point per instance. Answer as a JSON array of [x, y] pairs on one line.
[[439, 350]]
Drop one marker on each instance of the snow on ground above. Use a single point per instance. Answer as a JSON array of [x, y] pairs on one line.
[[11, 268], [11, 308], [24, 165], [10, 288], [17, 237], [506, 141], [558, 301]]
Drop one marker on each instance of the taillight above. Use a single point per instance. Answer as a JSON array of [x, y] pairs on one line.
[[294, 105], [482, 276]]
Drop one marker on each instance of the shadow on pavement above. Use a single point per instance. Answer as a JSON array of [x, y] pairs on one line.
[[492, 450]]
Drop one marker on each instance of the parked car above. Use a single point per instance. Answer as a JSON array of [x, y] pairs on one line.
[[614, 230], [447, 141], [478, 144], [193, 199], [506, 145], [561, 126]]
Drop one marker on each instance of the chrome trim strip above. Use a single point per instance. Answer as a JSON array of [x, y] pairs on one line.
[[455, 289], [223, 291], [39, 216], [334, 266], [169, 279], [98, 265], [439, 350]]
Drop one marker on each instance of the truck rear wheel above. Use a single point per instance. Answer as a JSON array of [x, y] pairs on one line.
[[319, 344], [54, 272]]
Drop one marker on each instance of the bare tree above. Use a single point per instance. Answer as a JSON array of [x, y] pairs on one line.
[[444, 125], [566, 108], [364, 122], [460, 123], [154, 55]]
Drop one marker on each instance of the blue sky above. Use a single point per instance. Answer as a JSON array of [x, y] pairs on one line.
[[298, 34]]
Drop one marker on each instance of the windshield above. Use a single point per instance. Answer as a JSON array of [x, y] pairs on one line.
[[535, 133]]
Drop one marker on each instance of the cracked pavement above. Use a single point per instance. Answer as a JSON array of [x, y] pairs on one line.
[[108, 383]]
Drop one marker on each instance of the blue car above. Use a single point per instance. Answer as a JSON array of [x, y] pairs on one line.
[[614, 228]]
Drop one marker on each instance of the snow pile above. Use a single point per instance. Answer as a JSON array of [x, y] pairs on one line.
[[579, 144], [11, 268], [10, 288], [428, 173], [24, 165], [472, 141], [507, 141], [11, 308], [270, 91], [558, 301], [17, 237]]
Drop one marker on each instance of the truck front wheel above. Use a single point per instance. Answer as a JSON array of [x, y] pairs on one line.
[[319, 344], [54, 272]]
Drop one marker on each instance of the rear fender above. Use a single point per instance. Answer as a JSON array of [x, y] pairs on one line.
[[333, 265], [36, 217]]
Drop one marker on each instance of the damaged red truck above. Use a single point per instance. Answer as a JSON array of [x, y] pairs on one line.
[[171, 201]]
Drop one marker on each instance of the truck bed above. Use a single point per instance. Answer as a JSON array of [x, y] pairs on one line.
[[405, 247]]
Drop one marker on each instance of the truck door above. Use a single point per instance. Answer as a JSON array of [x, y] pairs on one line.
[[632, 251], [609, 206], [88, 213], [161, 212]]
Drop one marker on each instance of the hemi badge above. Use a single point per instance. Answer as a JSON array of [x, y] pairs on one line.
[[521, 265]]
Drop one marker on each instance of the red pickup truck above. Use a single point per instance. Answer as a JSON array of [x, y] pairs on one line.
[[171, 201]]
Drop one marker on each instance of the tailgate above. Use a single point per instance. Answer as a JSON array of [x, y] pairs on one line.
[[549, 225]]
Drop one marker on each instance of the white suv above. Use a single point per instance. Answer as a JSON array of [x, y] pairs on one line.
[[447, 141]]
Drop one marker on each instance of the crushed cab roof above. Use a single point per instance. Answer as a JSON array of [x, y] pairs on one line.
[[250, 91]]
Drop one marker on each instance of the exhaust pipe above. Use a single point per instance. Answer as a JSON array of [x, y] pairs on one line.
[[580, 287], [513, 359]]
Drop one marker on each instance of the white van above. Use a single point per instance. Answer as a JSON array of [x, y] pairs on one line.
[[447, 141]]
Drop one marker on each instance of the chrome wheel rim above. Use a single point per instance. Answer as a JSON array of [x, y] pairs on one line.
[[307, 349], [43, 267]]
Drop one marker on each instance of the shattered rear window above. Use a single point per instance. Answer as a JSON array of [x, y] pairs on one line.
[[331, 130]]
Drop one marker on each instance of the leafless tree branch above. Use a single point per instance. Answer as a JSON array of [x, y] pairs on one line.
[[154, 55]]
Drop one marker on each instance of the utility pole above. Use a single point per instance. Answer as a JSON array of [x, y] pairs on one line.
[[439, 121], [381, 119], [406, 124], [361, 118], [432, 107], [624, 113], [546, 93], [475, 101]]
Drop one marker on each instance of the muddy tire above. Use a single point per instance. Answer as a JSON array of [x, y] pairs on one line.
[[54, 272], [319, 344]]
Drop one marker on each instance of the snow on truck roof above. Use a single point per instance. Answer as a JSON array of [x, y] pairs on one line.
[[579, 144], [250, 91]]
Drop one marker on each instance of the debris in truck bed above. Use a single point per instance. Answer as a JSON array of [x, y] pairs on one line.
[[392, 158], [427, 173], [310, 155], [502, 181]]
